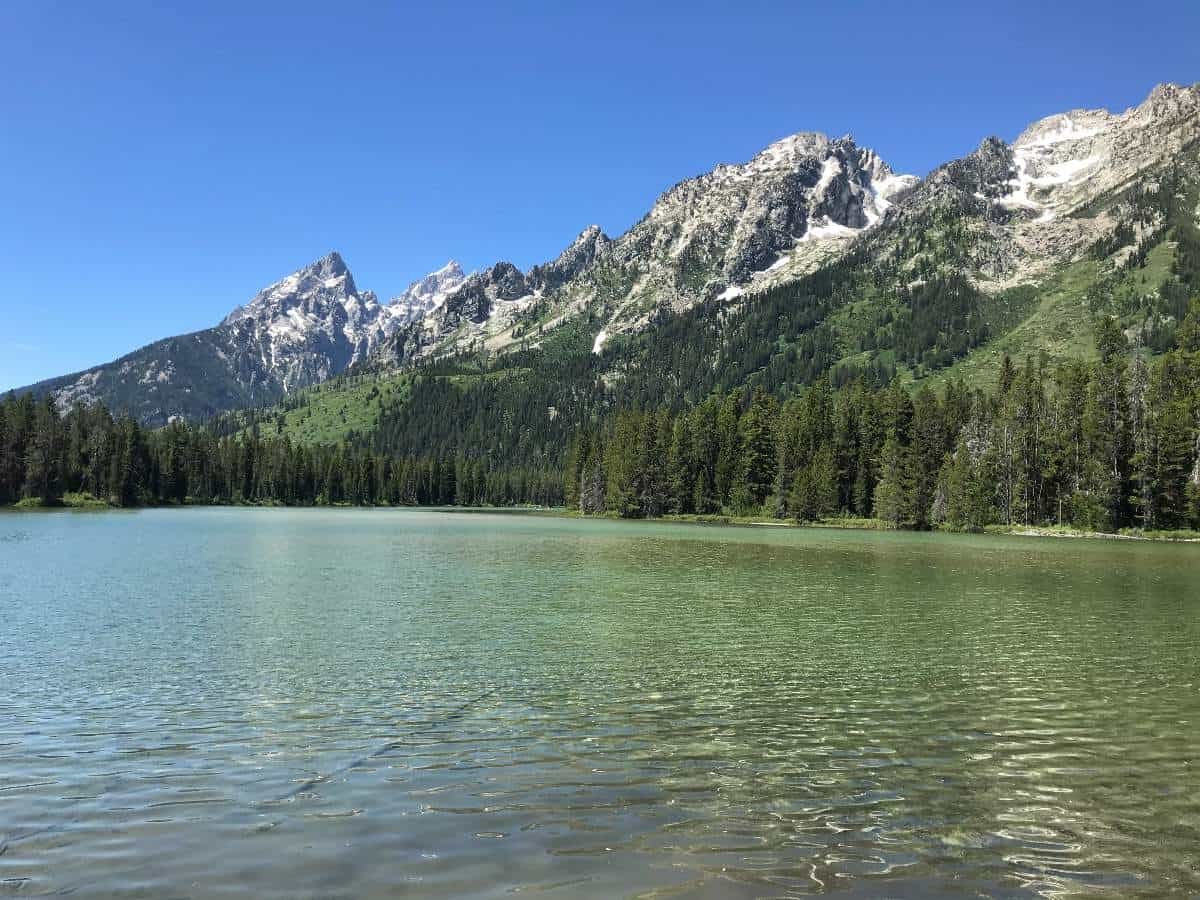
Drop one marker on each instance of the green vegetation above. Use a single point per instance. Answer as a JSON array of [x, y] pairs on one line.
[[87, 458], [83, 500], [330, 413], [896, 305], [1174, 534], [1057, 327], [1095, 446]]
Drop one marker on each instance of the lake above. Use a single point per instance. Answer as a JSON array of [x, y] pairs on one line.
[[379, 703]]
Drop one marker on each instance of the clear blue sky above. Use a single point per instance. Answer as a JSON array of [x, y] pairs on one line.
[[160, 162]]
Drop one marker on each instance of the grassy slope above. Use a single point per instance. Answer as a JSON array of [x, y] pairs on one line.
[[326, 413], [1060, 325]]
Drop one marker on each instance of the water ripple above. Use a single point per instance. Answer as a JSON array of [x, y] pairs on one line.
[[360, 704]]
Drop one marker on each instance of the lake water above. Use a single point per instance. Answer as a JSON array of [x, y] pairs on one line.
[[343, 703]]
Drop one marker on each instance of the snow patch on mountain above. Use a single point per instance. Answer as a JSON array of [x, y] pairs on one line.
[[1057, 129], [1063, 161], [822, 229]]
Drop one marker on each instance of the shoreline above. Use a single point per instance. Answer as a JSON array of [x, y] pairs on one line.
[[92, 504], [857, 524]]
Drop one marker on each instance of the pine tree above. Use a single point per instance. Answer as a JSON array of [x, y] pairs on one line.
[[1106, 423], [893, 493], [43, 456], [621, 466], [1142, 440], [823, 477], [801, 499], [759, 462], [928, 450], [728, 449], [968, 501], [1008, 375], [652, 477], [681, 475]]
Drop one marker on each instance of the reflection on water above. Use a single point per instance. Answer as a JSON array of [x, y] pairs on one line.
[[372, 703]]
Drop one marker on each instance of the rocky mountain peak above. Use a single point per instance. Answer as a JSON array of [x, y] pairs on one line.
[[786, 151], [330, 265], [445, 279], [1169, 96], [319, 284], [1063, 161], [589, 235], [591, 243], [423, 296], [982, 174], [446, 275], [506, 281]]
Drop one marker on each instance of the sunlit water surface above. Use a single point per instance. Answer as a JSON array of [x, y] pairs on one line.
[[403, 703]]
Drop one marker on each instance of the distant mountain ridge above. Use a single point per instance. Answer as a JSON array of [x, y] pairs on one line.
[[1006, 217]]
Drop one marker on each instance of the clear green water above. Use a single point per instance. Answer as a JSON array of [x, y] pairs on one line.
[[401, 703]]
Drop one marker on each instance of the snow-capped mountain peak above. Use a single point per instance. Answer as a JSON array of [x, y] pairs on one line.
[[425, 294], [793, 205], [320, 283], [315, 322]]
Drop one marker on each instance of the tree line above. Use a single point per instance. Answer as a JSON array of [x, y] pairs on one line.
[[1103, 445], [46, 456]]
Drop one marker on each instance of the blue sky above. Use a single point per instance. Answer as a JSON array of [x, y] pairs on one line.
[[159, 166]]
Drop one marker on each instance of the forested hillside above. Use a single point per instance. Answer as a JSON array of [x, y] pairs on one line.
[[862, 319], [87, 457], [1100, 446]]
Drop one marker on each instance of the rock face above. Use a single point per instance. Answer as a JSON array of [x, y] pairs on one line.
[[298, 331], [739, 220], [308, 326], [1061, 162]]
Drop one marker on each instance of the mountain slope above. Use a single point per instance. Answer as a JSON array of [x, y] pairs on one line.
[[811, 259], [1013, 249], [1004, 217], [299, 331], [793, 206], [1000, 247]]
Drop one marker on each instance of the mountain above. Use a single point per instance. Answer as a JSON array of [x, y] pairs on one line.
[[425, 295], [790, 208], [1021, 211], [1015, 249], [299, 331], [811, 259], [1055, 189]]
